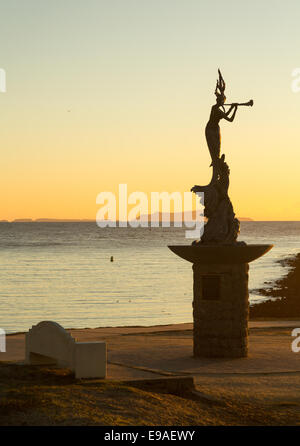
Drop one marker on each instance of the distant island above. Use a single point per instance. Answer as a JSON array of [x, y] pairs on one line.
[[173, 216], [47, 220]]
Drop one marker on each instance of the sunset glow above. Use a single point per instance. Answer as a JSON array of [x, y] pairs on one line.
[[120, 92]]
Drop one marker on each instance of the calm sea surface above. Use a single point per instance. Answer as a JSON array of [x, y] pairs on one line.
[[62, 272]]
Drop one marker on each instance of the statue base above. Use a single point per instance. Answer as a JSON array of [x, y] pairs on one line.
[[220, 305]]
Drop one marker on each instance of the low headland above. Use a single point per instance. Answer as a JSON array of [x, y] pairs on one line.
[[283, 296]]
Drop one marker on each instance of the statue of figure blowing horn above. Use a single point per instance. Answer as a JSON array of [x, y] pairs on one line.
[[222, 227]]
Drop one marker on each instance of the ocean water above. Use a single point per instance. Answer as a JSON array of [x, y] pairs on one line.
[[62, 272]]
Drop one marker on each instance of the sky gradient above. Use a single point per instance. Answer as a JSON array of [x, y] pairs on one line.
[[107, 92]]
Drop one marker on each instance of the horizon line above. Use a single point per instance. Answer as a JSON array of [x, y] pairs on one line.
[[90, 220]]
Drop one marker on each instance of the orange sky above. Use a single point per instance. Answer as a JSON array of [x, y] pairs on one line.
[[101, 95]]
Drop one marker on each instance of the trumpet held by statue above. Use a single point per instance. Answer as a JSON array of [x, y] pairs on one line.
[[249, 103]]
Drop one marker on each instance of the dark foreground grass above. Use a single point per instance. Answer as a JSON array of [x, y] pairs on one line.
[[31, 395]]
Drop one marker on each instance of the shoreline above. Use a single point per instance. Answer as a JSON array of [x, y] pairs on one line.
[[163, 327], [283, 295]]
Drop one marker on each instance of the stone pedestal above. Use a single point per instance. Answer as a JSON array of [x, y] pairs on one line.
[[220, 305], [220, 310]]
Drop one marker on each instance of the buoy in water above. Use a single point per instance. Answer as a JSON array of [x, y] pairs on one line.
[[112, 259]]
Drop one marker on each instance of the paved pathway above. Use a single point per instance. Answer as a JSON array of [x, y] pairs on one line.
[[146, 352]]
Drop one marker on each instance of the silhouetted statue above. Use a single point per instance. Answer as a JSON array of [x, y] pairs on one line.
[[212, 129], [222, 226]]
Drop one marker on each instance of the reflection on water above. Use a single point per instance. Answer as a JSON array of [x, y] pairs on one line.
[[63, 272]]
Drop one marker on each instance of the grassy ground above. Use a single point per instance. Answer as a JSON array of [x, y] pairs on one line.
[[45, 396]]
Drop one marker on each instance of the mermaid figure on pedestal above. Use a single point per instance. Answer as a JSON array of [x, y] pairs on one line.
[[222, 227]]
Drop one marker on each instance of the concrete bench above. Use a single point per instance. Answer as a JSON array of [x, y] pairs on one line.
[[49, 343]]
